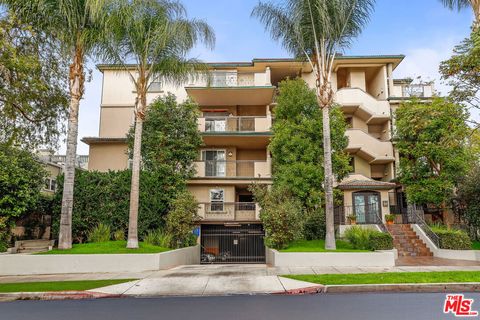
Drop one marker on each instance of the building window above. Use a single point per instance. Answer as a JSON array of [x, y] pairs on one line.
[[50, 185], [352, 164], [215, 163], [155, 86], [217, 197]]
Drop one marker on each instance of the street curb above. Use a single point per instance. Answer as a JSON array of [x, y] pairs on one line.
[[57, 295], [303, 291], [407, 287]]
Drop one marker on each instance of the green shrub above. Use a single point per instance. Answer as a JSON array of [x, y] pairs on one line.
[[368, 239], [101, 233], [181, 219], [158, 237], [453, 239], [104, 197], [314, 227], [119, 235], [280, 215], [381, 241], [358, 237]]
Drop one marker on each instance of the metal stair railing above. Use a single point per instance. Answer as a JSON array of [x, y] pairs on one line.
[[414, 217]]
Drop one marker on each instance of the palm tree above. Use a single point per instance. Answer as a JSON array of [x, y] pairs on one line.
[[156, 35], [78, 25], [315, 30], [462, 4]]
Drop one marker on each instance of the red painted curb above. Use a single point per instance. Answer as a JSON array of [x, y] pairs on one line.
[[303, 291]]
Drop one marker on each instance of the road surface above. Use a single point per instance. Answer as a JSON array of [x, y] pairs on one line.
[[390, 306]]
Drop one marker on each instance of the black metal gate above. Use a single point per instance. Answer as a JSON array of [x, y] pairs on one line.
[[232, 244]]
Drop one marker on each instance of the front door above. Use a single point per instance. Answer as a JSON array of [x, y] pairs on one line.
[[366, 206]]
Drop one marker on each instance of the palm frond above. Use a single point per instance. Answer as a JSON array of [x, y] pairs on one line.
[[456, 4]]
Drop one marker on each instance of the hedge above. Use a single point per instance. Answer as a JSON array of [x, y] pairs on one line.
[[454, 239], [368, 239], [381, 241], [104, 197]]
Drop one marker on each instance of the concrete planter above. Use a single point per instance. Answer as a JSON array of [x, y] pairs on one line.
[[331, 259], [18, 264], [472, 255]]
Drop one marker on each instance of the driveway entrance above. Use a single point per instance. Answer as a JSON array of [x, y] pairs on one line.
[[239, 243]]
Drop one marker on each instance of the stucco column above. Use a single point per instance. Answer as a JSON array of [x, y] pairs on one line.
[[390, 79], [268, 76]]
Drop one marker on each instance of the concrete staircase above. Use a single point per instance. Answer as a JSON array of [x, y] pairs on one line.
[[32, 246], [407, 242]]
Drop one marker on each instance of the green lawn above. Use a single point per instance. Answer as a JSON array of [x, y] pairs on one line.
[[59, 285], [476, 245], [319, 246], [391, 277], [107, 248]]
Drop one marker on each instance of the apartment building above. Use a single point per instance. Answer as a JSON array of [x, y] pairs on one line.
[[237, 107]]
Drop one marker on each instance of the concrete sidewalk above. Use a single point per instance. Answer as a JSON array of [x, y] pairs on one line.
[[218, 279], [229, 271]]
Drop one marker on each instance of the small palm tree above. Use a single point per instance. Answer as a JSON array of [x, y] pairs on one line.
[[78, 25], [315, 30], [157, 36], [462, 4]]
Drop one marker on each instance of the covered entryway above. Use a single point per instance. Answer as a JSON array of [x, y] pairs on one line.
[[232, 243]]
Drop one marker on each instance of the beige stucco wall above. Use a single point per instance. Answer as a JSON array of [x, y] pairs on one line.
[[356, 79], [362, 166], [377, 86], [202, 192], [104, 157], [115, 122]]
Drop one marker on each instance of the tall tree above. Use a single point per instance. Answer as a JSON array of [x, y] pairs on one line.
[[462, 4], [157, 36], [462, 71], [79, 26], [297, 154], [33, 86], [432, 142], [316, 30]]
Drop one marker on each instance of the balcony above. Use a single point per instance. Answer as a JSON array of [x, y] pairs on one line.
[[234, 124], [373, 150], [229, 211], [222, 88], [355, 100], [233, 169]]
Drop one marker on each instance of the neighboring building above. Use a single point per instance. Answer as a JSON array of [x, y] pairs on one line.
[[237, 107]]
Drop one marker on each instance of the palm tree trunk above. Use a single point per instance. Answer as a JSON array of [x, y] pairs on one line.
[[132, 242], [327, 152], [476, 12], [76, 92]]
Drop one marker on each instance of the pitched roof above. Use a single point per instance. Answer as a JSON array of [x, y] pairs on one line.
[[358, 181]]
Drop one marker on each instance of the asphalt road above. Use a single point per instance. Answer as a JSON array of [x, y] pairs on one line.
[[390, 306]]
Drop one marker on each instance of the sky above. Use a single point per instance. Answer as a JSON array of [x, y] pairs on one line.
[[423, 30]]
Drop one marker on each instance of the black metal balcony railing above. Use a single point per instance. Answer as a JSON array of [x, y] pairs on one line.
[[364, 214]]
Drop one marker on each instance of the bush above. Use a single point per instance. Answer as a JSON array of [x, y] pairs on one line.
[[119, 235], [181, 219], [381, 241], [158, 238], [368, 239], [101, 233], [452, 239], [314, 227], [280, 214]]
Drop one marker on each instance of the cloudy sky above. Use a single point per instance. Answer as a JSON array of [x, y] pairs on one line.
[[423, 30]]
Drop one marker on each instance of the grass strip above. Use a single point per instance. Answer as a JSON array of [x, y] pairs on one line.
[[111, 247], [58, 285]]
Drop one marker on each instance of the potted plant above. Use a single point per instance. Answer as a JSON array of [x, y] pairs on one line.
[[390, 218], [352, 219]]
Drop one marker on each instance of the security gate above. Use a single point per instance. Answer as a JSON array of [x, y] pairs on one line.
[[232, 244]]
